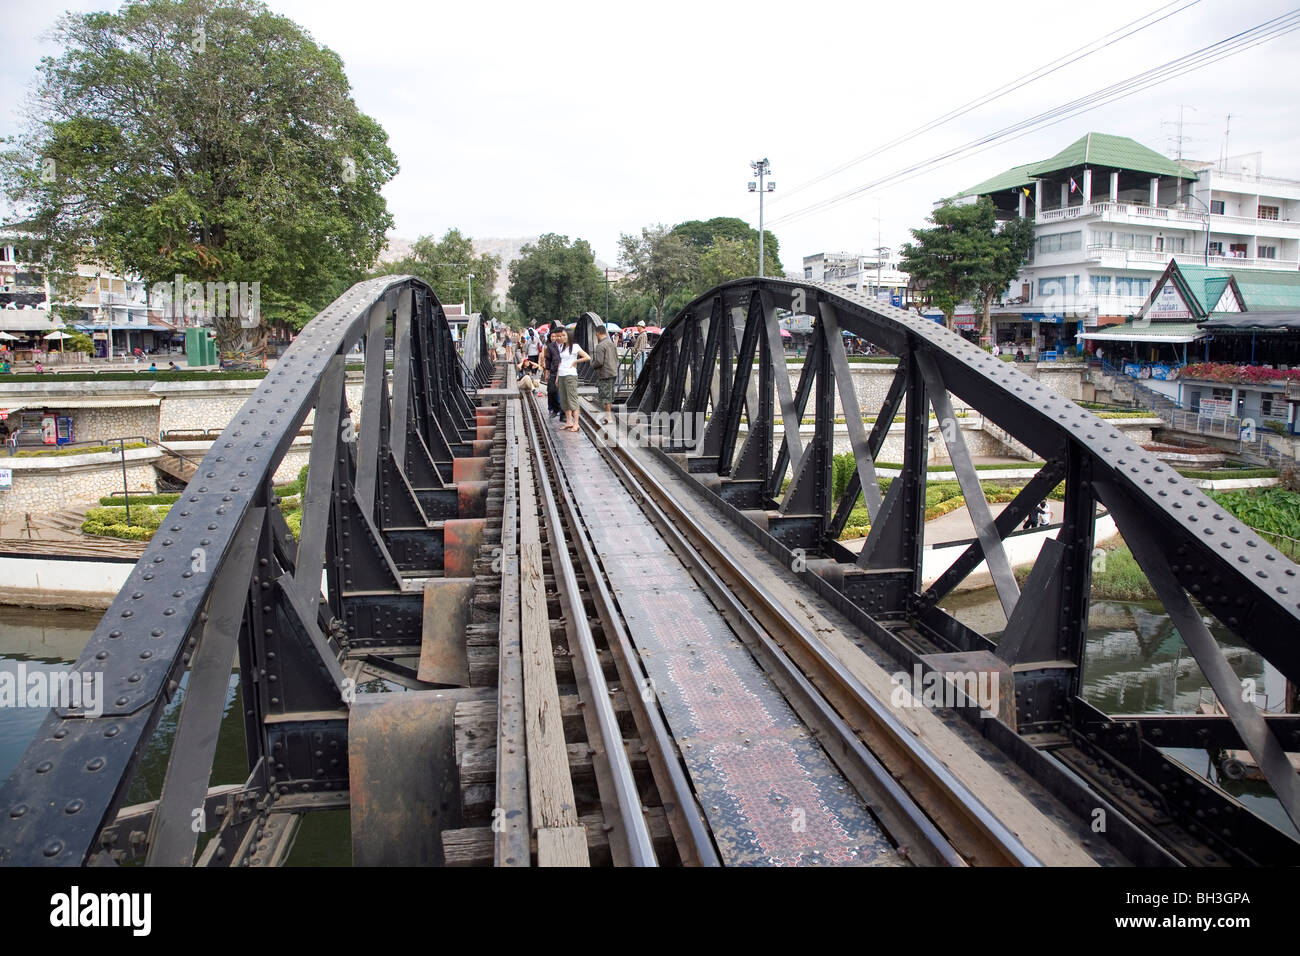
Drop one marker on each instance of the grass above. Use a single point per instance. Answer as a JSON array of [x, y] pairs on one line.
[[83, 450], [1116, 576], [1220, 474]]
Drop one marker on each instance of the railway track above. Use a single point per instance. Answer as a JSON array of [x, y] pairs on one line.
[[820, 772]]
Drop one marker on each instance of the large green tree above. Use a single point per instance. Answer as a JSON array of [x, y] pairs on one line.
[[554, 279], [965, 256], [661, 263], [209, 138], [703, 234], [728, 259], [446, 264]]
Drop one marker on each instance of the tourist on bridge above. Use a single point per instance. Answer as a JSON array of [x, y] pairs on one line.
[[639, 350], [605, 362], [571, 355], [530, 375], [551, 363], [531, 348]]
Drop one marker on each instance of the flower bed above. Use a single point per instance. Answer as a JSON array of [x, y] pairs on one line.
[[1243, 374]]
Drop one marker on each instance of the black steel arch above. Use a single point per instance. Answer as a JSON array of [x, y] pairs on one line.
[[223, 575], [715, 361]]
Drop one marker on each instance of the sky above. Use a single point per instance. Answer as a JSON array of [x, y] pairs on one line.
[[595, 119]]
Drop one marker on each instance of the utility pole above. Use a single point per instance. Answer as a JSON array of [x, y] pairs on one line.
[[763, 169], [469, 308], [606, 315]]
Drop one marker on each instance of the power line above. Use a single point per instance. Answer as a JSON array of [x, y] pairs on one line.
[[1230, 46], [1046, 69]]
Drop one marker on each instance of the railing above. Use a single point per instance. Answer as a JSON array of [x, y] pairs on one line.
[[1108, 209]]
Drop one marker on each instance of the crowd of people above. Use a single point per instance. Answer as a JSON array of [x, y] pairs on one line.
[[548, 360]]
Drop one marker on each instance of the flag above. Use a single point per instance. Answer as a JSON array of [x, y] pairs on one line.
[[1025, 190], [1073, 185]]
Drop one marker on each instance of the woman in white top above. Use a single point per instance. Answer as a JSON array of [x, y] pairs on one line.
[[566, 380]]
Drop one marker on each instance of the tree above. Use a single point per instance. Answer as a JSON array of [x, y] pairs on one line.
[[704, 234], [208, 138], [964, 255], [554, 280], [728, 259], [447, 264], [661, 263], [1011, 248]]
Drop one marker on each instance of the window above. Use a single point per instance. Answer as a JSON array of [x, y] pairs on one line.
[[1101, 285], [1222, 394], [1216, 207], [1175, 244], [1053, 286], [807, 272], [1216, 248], [1268, 212], [1273, 404], [1103, 239], [1266, 252], [1060, 242]]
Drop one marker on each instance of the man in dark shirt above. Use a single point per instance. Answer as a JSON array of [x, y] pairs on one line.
[[551, 364], [605, 362]]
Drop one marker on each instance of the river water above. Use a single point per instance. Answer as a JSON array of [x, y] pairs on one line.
[[1135, 663]]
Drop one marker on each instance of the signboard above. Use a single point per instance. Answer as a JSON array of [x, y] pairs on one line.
[[1168, 304], [6, 478], [1164, 373], [1216, 407], [49, 430]]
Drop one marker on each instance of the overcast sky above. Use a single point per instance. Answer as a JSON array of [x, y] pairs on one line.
[[591, 119]]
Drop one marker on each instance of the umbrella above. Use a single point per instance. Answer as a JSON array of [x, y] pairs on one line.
[[59, 336], [612, 327], [7, 337], [654, 330], [786, 334], [543, 329]]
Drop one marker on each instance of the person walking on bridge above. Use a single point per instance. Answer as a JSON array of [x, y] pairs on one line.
[[639, 350], [571, 356], [550, 365], [605, 362]]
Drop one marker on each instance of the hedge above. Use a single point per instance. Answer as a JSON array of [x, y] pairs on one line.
[[169, 498], [184, 375], [55, 452], [111, 523]]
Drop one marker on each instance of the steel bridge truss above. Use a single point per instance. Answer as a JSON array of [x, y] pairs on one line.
[[720, 363], [225, 581]]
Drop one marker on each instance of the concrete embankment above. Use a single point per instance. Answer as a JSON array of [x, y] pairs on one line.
[[50, 581]]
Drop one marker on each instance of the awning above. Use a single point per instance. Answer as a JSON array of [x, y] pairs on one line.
[[9, 410], [1243, 323], [26, 320], [1175, 333]]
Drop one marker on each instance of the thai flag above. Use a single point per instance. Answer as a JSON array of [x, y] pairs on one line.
[[1074, 187]]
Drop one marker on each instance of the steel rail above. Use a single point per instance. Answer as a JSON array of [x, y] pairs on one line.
[[978, 835], [663, 754], [633, 822]]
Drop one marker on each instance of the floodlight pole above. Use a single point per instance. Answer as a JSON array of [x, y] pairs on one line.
[[762, 168]]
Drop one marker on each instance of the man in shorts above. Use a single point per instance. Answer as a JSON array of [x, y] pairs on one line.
[[605, 362]]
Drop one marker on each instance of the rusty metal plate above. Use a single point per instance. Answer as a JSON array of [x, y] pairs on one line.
[[402, 777], [443, 657], [471, 499], [461, 540], [484, 432], [470, 469]]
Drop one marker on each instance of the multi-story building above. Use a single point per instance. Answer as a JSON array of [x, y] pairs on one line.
[[108, 305], [1252, 217], [1109, 215], [876, 276]]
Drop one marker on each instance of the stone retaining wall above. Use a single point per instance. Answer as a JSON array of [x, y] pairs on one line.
[[46, 485]]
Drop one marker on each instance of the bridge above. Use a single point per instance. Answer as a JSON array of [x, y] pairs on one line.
[[495, 643]]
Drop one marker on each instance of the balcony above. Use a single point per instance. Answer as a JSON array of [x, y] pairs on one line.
[[122, 298], [1124, 212]]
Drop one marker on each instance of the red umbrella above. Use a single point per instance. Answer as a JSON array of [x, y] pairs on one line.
[[654, 330], [543, 329], [786, 335]]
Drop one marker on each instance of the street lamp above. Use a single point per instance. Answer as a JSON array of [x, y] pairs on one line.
[[469, 309], [1191, 195], [763, 169]]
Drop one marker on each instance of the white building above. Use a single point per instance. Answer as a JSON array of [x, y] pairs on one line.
[[875, 276], [1110, 214]]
